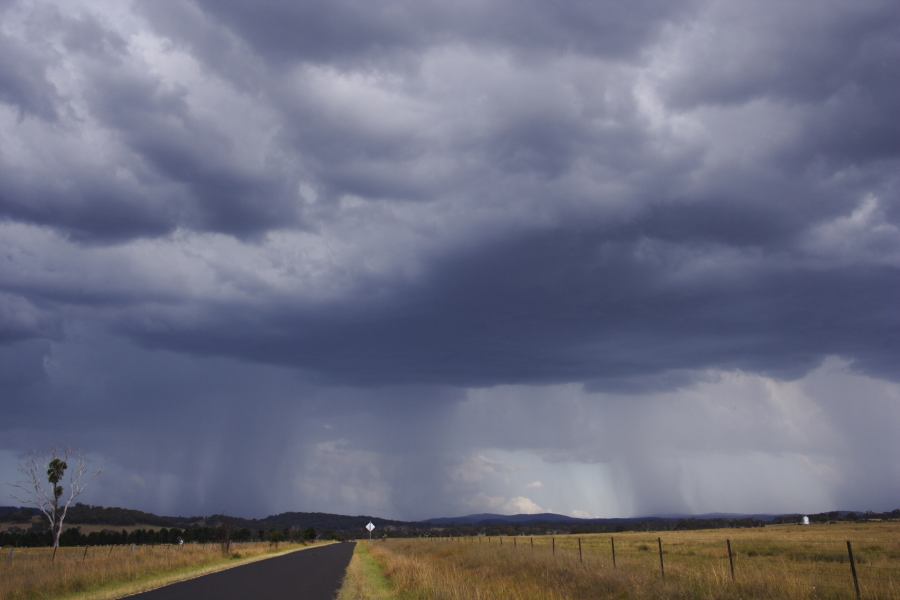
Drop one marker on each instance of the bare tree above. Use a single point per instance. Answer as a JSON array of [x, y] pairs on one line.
[[43, 487]]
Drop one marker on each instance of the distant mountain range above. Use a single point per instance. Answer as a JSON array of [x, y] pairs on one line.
[[495, 518], [490, 518], [82, 514]]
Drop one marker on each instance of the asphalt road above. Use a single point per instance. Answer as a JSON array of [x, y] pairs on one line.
[[313, 574]]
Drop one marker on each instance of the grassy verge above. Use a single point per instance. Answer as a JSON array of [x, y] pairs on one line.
[[117, 572], [365, 579]]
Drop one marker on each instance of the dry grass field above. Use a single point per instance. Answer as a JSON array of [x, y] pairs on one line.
[[114, 571], [791, 562]]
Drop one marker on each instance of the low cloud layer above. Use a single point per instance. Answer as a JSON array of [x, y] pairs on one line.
[[422, 260]]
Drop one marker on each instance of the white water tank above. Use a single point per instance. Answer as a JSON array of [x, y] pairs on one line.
[[804, 520]]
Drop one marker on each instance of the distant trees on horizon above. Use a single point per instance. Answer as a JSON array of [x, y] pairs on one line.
[[73, 536]]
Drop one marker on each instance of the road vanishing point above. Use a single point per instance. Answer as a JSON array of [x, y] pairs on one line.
[[312, 574]]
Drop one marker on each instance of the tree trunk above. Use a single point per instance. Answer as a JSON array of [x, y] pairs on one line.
[[57, 521], [57, 531]]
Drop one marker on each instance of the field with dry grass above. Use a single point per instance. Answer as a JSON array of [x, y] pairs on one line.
[[99, 572], [791, 562]]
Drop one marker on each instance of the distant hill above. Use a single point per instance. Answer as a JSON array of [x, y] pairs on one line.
[[495, 519], [554, 521], [547, 518], [493, 524], [16, 514], [709, 516], [85, 514], [302, 520]]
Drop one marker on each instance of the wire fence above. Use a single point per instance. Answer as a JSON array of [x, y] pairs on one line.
[[825, 564]]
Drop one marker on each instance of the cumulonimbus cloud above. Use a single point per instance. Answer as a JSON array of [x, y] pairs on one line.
[[400, 196]]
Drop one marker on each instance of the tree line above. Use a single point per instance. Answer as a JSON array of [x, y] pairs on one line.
[[73, 536]]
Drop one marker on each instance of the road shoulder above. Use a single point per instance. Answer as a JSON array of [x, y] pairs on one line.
[[365, 579]]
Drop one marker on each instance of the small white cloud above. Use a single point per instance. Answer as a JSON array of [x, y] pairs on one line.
[[512, 506], [523, 505], [535, 485]]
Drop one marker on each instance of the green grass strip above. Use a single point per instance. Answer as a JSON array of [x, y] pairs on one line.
[[365, 579]]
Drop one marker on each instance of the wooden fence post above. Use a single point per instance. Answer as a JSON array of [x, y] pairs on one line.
[[662, 567], [532, 543], [730, 558], [84, 556], [11, 550], [501, 540], [514, 542], [553, 542], [580, 555], [612, 542], [853, 570]]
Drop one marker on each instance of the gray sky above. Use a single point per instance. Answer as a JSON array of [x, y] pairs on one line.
[[415, 258]]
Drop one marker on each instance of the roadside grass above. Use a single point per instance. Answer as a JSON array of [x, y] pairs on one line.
[[792, 562], [365, 579], [108, 572]]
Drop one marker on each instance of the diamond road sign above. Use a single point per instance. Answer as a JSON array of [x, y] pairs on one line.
[[370, 526]]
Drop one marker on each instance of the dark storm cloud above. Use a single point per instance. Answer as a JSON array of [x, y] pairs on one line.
[[157, 125], [20, 319], [380, 242], [21, 365], [88, 207], [339, 31], [833, 63], [131, 159], [571, 305], [828, 47], [23, 82], [542, 303]]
